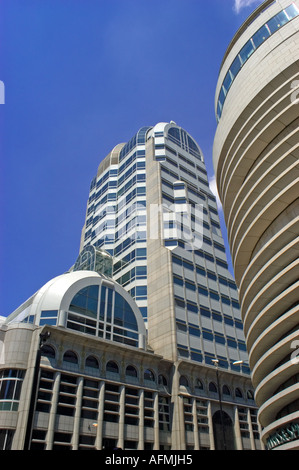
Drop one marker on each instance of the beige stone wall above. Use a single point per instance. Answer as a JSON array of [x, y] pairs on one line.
[[161, 316]]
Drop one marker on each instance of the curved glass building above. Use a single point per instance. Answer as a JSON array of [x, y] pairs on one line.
[[256, 164]]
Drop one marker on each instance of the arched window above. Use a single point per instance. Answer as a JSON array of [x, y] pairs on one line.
[[86, 301], [212, 387], [225, 390], [48, 351], [149, 375], [123, 313], [91, 361], [238, 393], [70, 356], [250, 395], [198, 384], [131, 371], [184, 381], [111, 366], [162, 380]]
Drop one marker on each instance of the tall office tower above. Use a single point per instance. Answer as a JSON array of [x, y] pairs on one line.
[[150, 206], [256, 165]]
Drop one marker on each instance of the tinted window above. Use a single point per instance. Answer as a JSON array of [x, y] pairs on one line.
[[246, 51], [260, 36], [279, 20], [235, 67]]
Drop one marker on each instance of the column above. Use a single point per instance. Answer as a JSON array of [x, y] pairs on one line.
[[238, 430], [99, 436], [52, 417], [141, 420], [211, 432], [195, 424], [121, 424], [75, 439], [156, 422]]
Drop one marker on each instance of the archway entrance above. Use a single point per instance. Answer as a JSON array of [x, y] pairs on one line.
[[223, 431]]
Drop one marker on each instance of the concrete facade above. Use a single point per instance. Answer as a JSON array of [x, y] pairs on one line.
[[256, 165], [92, 393]]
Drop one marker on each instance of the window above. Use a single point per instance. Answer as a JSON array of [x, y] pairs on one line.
[[149, 375], [194, 331], [112, 367], [246, 51], [86, 301], [192, 307], [235, 67], [212, 387], [131, 407], [279, 20], [184, 381], [162, 380], [48, 317], [91, 361], [260, 36], [199, 384], [6, 436], [48, 351], [67, 395], [10, 388], [71, 357], [227, 81], [225, 390], [111, 403], [164, 414], [291, 11], [123, 313], [238, 393], [131, 371]]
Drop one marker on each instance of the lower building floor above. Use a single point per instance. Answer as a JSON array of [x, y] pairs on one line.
[[73, 392]]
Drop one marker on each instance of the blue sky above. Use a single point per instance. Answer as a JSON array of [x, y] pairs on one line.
[[80, 77]]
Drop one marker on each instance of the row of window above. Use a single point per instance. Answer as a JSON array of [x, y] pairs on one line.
[[177, 260], [96, 183], [67, 402], [136, 254], [138, 272], [202, 290], [206, 312], [249, 48], [212, 387], [137, 139], [176, 178], [194, 354], [208, 334], [136, 155], [92, 362]]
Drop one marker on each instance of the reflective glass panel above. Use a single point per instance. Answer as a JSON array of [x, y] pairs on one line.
[[260, 36], [86, 301], [235, 67], [279, 20], [227, 82], [292, 11], [246, 51]]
